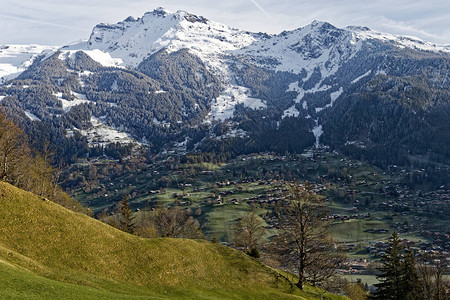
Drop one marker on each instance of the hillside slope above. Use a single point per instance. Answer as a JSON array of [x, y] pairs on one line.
[[48, 252]]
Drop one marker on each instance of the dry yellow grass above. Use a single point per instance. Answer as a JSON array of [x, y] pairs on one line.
[[43, 239]]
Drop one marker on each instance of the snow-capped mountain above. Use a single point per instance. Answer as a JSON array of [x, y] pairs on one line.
[[169, 77], [133, 40]]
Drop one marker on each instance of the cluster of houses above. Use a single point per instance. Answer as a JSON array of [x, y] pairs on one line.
[[379, 230], [337, 217], [441, 241], [377, 249], [353, 266]]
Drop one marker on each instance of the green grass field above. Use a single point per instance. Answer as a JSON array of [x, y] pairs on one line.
[[369, 279], [219, 220], [48, 252]]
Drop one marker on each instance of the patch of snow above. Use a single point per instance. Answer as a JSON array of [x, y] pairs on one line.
[[309, 153], [333, 96], [317, 131], [67, 105], [398, 40], [85, 73], [81, 76], [70, 133], [291, 112], [32, 116], [294, 87], [182, 146], [223, 107], [232, 134], [2, 97], [159, 123], [319, 88], [104, 58], [160, 92], [101, 134], [114, 86], [79, 96], [361, 77]]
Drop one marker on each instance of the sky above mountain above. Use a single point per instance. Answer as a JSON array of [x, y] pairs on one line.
[[59, 22]]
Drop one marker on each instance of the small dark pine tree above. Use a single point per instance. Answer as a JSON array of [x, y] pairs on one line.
[[126, 218], [399, 280], [214, 239], [410, 277], [254, 253]]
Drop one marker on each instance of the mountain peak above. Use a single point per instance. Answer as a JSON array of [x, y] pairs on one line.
[[322, 24], [180, 14], [132, 40], [162, 11], [316, 23]]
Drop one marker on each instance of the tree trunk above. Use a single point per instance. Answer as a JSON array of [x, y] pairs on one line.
[[300, 283], [301, 277]]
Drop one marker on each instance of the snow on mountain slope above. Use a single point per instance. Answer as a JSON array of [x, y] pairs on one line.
[[68, 104], [14, 59], [291, 112], [31, 116], [135, 39], [101, 135], [223, 107], [311, 56], [129, 42], [100, 56], [318, 45], [364, 33]]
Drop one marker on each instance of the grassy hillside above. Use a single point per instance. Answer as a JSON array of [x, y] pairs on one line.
[[49, 252]]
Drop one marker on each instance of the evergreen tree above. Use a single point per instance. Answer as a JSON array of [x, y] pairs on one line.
[[390, 286], [399, 280], [126, 218], [410, 277]]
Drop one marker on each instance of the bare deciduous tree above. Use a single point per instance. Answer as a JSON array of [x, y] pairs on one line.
[[304, 242], [169, 222], [13, 151], [249, 232], [433, 284], [28, 169]]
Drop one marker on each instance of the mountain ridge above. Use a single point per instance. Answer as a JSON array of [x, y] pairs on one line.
[[364, 32], [254, 83]]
